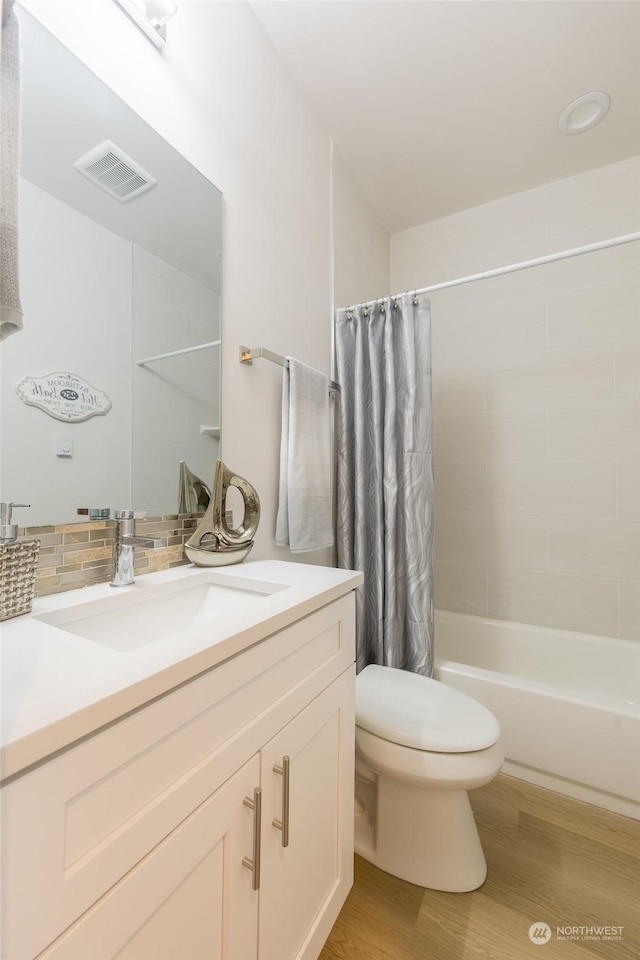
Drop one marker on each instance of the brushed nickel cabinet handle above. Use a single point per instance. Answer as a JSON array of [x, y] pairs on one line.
[[253, 863], [283, 824]]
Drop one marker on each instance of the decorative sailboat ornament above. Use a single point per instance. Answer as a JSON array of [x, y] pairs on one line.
[[214, 543]]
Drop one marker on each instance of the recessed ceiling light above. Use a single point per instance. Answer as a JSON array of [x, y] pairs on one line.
[[584, 113]]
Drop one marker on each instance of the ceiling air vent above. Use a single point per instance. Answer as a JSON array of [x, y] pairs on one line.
[[110, 168]]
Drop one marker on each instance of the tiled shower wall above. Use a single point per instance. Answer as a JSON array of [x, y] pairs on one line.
[[79, 554], [536, 387]]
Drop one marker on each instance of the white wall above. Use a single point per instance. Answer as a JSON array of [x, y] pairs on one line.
[[57, 244], [536, 380], [361, 243], [219, 94], [173, 398]]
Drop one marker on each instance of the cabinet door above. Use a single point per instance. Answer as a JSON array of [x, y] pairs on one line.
[[191, 898], [304, 884]]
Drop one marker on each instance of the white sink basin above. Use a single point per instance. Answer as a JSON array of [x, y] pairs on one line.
[[142, 614]]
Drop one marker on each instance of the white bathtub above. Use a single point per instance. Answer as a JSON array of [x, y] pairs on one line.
[[568, 703]]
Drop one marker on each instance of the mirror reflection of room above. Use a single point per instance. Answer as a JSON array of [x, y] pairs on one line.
[[110, 276]]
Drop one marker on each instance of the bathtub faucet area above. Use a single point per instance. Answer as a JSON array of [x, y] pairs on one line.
[[125, 543]]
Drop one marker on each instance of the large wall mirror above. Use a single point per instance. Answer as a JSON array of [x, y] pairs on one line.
[[107, 283]]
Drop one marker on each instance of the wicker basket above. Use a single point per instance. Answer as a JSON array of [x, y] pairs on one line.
[[18, 565]]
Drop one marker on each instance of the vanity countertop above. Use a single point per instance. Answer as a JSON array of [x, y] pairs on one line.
[[57, 687]]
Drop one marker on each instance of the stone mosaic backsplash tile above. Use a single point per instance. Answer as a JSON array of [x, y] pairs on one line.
[[79, 554]]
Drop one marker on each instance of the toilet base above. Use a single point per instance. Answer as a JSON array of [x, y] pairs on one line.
[[424, 836]]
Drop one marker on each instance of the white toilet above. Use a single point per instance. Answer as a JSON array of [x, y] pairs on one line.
[[420, 745]]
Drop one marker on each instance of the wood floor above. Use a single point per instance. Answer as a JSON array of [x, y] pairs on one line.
[[551, 860]]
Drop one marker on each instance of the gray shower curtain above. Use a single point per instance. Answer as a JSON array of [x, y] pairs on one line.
[[385, 478]]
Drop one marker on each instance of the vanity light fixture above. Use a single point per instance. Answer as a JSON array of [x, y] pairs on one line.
[[150, 16], [584, 113]]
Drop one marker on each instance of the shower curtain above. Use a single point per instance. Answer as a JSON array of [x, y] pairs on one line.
[[385, 478]]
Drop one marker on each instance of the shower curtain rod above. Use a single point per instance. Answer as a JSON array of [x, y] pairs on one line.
[[512, 268]]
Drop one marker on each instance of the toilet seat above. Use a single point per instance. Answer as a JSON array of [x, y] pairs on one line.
[[440, 771], [416, 712]]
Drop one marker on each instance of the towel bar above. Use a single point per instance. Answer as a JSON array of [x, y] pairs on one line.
[[249, 354]]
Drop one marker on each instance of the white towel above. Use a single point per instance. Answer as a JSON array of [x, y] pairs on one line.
[[10, 309], [305, 502]]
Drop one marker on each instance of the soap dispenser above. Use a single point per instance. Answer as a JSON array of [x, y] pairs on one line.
[[9, 530], [18, 565]]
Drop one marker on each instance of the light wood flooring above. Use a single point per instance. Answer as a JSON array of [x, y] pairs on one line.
[[551, 860]]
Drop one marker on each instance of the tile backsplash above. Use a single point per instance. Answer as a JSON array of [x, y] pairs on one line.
[[79, 554]]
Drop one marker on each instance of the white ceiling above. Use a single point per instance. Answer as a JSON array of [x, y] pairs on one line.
[[440, 105]]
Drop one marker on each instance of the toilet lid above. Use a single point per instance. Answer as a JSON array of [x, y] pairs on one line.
[[415, 711]]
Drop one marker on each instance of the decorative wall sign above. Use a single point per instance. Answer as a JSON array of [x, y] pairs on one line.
[[64, 396]]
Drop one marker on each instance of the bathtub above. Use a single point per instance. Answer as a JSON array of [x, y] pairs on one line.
[[568, 703]]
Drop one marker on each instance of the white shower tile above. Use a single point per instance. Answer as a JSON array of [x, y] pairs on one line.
[[514, 329], [412, 258], [516, 489], [468, 300], [595, 548], [592, 430], [459, 340], [146, 442], [460, 487], [628, 261], [600, 203], [457, 395], [491, 235], [514, 388], [609, 312], [536, 381], [518, 542], [461, 587], [629, 599], [628, 473], [580, 375], [460, 439], [581, 488], [627, 371], [490, 438], [567, 602], [586, 271]]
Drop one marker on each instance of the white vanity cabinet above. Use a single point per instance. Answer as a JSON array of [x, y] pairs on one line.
[[137, 842]]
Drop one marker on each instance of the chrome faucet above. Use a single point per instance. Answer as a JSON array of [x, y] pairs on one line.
[[126, 542]]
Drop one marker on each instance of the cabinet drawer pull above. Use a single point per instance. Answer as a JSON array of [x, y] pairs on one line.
[[284, 823], [253, 863]]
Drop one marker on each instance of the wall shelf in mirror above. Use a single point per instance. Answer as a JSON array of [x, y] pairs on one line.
[[178, 353]]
